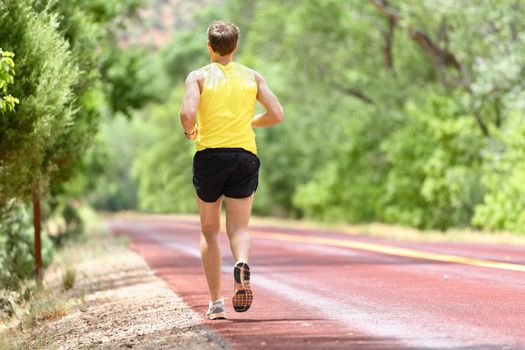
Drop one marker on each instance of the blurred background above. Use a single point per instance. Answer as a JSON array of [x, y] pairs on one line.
[[404, 112]]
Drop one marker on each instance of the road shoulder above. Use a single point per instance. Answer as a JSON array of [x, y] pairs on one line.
[[117, 302]]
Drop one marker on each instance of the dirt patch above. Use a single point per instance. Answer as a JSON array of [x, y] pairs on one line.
[[117, 302]]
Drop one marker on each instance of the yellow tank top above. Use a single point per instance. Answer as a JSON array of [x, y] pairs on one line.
[[227, 106]]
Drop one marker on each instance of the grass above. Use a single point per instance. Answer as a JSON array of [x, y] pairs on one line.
[[30, 307], [46, 305], [68, 279]]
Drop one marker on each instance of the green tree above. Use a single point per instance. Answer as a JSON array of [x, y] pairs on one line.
[[66, 53], [404, 111], [30, 134], [44, 85], [376, 72]]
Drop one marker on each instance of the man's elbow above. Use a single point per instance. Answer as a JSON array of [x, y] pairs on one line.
[[279, 115]]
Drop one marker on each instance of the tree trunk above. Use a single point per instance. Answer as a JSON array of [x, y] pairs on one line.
[[37, 217]]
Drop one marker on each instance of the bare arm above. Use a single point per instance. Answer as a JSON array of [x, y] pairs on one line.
[[188, 113], [274, 111]]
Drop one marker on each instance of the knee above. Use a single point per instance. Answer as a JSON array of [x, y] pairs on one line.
[[210, 233]]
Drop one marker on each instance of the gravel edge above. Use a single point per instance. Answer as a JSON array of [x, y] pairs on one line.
[[119, 303]]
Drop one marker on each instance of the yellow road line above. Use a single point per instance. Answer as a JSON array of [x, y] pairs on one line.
[[385, 249], [390, 250]]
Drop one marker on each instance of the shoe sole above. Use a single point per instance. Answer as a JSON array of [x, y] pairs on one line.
[[219, 316], [243, 295]]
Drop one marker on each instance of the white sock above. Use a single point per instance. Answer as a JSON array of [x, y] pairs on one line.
[[217, 301]]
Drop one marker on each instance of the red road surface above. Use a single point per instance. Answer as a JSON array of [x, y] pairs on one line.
[[315, 290]]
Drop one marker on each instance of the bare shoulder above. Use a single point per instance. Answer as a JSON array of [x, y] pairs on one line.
[[258, 77], [196, 75]]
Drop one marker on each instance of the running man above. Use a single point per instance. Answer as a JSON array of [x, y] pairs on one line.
[[218, 113]]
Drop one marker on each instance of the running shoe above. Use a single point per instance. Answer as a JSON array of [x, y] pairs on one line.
[[216, 310], [242, 294]]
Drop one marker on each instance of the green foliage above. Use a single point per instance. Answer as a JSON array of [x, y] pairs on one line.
[[64, 222], [414, 121], [120, 141], [70, 71], [353, 182], [132, 79], [433, 176], [7, 76], [405, 141], [503, 207], [163, 169], [184, 54], [46, 74]]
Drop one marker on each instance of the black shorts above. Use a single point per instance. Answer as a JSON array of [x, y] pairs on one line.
[[233, 172]]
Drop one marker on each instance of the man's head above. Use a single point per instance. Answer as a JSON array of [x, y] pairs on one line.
[[222, 37]]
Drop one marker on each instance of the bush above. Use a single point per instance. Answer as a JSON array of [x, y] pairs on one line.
[[17, 248], [503, 206], [433, 180], [64, 224]]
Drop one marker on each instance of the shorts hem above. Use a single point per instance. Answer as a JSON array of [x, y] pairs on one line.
[[206, 200], [236, 196], [240, 195]]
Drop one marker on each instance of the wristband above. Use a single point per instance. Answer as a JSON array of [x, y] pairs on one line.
[[192, 133]]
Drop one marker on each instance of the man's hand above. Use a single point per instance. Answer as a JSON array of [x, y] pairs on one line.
[[192, 135]]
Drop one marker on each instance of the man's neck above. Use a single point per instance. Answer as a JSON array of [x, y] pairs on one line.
[[224, 60]]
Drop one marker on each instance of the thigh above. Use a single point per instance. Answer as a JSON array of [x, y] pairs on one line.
[[210, 214], [238, 212]]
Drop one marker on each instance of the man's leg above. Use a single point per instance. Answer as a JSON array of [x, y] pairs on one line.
[[238, 212], [237, 218], [210, 214]]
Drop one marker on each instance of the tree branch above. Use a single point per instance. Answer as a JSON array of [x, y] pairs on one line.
[[481, 124], [387, 11], [389, 38], [477, 116], [497, 110], [440, 56], [513, 28], [355, 93]]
